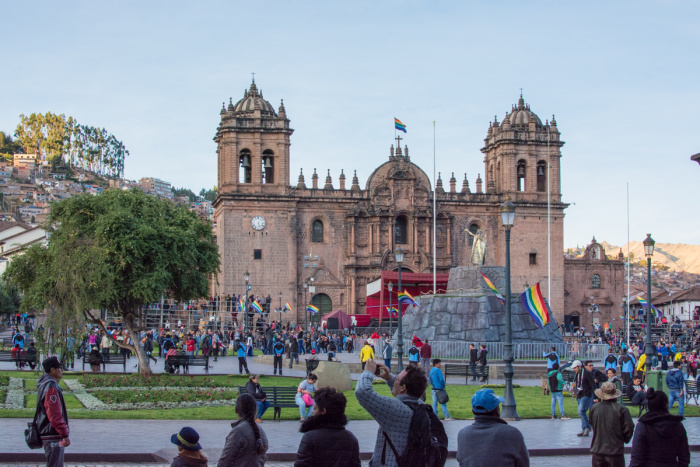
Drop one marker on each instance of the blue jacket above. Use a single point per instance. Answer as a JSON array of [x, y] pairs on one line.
[[241, 350], [674, 380], [610, 362], [628, 363], [436, 379], [552, 358]]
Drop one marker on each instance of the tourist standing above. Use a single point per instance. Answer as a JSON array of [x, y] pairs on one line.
[[326, 441], [426, 352], [482, 361], [437, 381], [627, 363], [490, 440], [51, 416], [242, 363], [556, 386], [293, 351], [367, 353], [246, 444], [386, 353], [278, 355], [552, 358], [675, 383], [660, 439], [585, 384], [473, 358], [612, 428]]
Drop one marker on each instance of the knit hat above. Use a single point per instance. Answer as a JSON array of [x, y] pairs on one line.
[[657, 400], [576, 363]]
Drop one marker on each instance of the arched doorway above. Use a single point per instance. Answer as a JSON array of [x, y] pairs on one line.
[[324, 304]]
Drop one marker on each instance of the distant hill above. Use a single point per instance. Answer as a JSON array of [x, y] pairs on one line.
[[676, 256]]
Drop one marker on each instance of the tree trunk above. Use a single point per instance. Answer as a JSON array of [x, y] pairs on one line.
[[144, 361]]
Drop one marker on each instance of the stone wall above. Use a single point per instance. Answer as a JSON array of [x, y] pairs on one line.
[[472, 313]]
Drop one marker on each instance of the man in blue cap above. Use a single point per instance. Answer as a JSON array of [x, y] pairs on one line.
[[490, 440]]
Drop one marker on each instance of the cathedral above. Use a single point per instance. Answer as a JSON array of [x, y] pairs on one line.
[[331, 240]]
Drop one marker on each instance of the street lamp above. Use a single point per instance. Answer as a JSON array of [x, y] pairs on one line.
[[626, 314], [390, 286], [648, 347], [312, 291], [306, 313], [509, 406], [399, 259], [246, 276]]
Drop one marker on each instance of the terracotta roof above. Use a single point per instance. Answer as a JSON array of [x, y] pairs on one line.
[[4, 225], [692, 294]]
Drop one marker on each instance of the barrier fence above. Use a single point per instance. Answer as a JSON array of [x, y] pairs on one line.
[[496, 350]]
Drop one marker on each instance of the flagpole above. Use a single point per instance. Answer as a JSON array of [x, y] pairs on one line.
[[549, 222], [628, 265], [434, 222]]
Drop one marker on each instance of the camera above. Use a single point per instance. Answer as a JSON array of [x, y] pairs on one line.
[[378, 371]]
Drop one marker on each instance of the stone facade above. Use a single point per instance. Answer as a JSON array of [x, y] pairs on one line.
[[594, 288], [472, 312], [344, 236]]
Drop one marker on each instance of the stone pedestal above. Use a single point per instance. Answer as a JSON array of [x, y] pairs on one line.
[[333, 374], [470, 312]]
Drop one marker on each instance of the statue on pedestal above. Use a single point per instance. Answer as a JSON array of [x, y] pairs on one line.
[[478, 247]]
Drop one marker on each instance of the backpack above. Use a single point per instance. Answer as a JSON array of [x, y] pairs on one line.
[[554, 382], [427, 440], [236, 346]]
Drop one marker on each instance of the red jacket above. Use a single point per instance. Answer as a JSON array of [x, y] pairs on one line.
[[52, 416], [426, 351]]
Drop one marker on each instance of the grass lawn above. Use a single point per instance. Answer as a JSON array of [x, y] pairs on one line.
[[531, 402], [71, 402]]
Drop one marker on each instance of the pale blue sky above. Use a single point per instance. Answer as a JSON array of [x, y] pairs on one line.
[[621, 78]]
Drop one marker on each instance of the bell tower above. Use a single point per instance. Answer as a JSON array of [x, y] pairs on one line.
[[253, 146], [520, 153]]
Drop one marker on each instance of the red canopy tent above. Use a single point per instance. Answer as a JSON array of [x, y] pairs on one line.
[[344, 321], [416, 284]]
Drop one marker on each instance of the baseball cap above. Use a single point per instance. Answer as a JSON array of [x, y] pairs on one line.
[[576, 363], [485, 401], [51, 362]]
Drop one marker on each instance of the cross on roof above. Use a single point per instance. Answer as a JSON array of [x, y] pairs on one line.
[[398, 141]]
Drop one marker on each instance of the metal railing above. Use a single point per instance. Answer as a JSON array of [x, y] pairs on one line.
[[496, 351]]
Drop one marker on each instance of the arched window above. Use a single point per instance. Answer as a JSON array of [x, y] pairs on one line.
[[317, 232], [521, 171], [244, 173], [542, 176], [473, 229], [595, 282], [268, 166], [401, 230]]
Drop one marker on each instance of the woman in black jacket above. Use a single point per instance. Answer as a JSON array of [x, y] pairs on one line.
[[660, 439], [253, 388], [326, 441]]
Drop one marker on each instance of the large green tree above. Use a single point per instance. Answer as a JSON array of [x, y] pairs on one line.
[[117, 251]]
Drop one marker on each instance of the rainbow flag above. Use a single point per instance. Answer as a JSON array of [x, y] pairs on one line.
[[654, 310], [393, 312], [241, 305], [311, 309], [287, 306], [257, 306], [398, 125], [493, 288], [535, 305], [405, 297]]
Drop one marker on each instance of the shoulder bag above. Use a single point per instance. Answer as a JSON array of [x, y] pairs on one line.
[[31, 434], [442, 396]]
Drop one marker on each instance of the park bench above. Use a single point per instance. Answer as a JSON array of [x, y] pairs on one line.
[[624, 400], [279, 397], [452, 369], [7, 342], [186, 361], [109, 360], [20, 360], [691, 390]]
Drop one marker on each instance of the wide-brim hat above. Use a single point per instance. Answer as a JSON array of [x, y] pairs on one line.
[[188, 438], [607, 392]]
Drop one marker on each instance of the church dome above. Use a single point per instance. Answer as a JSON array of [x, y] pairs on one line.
[[522, 115], [253, 99]]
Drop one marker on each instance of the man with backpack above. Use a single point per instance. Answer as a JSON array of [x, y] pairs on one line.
[[556, 385], [490, 440], [627, 362], [409, 434], [278, 352], [610, 361], [552, 358]]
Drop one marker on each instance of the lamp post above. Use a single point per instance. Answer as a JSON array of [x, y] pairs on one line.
[[509, 406], [625, 313], [246, 276], [306, 313], [312, 291], [648, 347], [399, 259], [390, 286]]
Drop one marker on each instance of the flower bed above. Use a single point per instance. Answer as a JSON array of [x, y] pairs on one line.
[[163, 395], [154, 381]]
